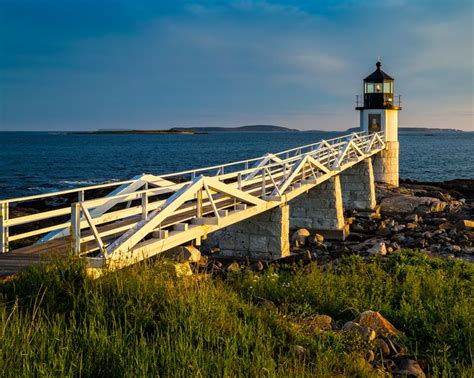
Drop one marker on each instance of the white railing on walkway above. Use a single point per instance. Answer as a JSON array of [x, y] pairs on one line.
[[148, 205]]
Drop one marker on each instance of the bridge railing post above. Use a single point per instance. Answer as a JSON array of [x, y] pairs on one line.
[[4, 227], [145, 203], [199, 203], [76, 227]]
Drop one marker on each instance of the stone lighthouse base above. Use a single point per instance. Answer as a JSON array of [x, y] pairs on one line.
[[386, 164]]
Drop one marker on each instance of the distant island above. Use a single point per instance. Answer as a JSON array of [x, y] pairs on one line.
[[249, 128], [141, 132], [427, 130], [254, 128]]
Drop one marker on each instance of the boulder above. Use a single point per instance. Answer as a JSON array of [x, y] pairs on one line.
[[412, 218], [184, 253], [257, 266], [376, 321], [383, 230], [410, 368], [465, 224], [300, 237], [407, 204], [454, 248], [365, 332], [317, 241], [378, 249], [233, 267]]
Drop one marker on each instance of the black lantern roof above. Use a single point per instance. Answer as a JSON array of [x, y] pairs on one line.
[[378, 76]]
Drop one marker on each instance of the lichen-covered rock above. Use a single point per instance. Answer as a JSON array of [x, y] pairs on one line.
[[377, 322]]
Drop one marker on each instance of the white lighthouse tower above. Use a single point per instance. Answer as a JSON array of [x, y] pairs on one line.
[[379, 112]]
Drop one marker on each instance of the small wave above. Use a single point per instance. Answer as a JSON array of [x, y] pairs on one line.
[[79, 182], [42, 189]]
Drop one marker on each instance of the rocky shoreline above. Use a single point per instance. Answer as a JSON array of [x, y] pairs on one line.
[[434, 218], [437, 220]]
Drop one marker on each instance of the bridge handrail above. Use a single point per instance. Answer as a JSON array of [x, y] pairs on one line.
[[325, 153], [166, 175]]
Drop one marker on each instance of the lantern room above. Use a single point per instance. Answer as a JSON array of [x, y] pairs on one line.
[[378, 105], [379, 90]]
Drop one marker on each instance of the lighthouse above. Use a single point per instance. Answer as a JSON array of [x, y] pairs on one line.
[[379, 107]]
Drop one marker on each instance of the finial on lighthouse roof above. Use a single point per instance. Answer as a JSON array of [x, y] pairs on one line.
[[378, 65]]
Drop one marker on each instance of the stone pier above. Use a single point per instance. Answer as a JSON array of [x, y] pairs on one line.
[[321, 210], [386, 164], [358, 186], [264, 236]]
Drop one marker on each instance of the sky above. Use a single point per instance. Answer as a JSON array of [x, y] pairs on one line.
[[87, 65]]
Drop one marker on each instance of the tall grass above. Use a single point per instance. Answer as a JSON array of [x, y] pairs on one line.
[[143, 321]]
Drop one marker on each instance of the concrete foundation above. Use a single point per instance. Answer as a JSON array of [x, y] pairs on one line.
[[264, 236], [386, 166], [320, 210], [358, 186]]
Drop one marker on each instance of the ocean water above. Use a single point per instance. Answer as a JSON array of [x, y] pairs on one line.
[[32, 163]]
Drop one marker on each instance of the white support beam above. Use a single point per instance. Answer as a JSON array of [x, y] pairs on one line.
[[144, 227], [92, 226]]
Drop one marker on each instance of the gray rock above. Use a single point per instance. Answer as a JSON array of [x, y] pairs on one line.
[[455, 248], [300, 237], [378, 249], [184, 253], [381, 347], [262, 302], [357, 227], [257, 266], [233, 267], [410, 368], [407, 204], [412, 218], [365, 332]]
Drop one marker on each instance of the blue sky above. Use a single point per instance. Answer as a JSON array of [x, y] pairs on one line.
[[84, 65]]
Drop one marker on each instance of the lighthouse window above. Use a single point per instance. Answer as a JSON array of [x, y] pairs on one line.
[[378, 87], [369, 88], [388, 87]]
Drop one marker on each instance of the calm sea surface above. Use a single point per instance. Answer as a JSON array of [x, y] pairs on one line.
[[32, 163]]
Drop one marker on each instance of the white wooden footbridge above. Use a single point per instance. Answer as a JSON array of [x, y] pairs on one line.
[[148, 214]]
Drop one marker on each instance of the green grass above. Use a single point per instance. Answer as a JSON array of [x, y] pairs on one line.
[[142, 321]]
